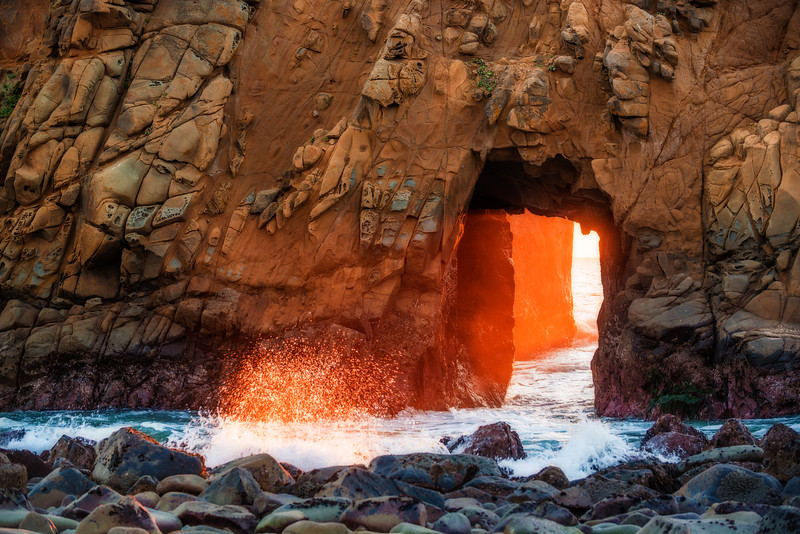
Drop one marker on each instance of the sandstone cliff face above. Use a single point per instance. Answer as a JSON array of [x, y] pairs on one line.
[[181, 177]]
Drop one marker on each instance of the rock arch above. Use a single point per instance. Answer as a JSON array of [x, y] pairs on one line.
[[180, 177]]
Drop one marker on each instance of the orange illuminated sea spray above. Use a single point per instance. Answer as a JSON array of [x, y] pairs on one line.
[[306, 380]]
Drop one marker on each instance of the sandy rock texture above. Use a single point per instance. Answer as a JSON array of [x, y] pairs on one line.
[[184, 179]]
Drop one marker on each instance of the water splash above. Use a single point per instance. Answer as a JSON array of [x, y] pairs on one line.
[[304, 380]]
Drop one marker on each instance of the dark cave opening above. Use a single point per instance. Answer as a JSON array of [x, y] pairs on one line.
[[482, 318]]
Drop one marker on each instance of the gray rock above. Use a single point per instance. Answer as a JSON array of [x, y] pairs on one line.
[[235, 486], [129, 454], [268, 473], [13, 476], [169, 502], [52, 489], [480, 517], [321, 510], [536, 525], [453, 523], [142, 484], [441, 472], [14, 499], [13, 518], [278, 521], [38, 523], [725, 482], [356, 483], [381, 514], [673, 525], [89, 501], [191, 484], [313, 527], [79, 451], [409, 528], [780, 519], [735, 453], [235, 518], [267, 502], [126, 513]]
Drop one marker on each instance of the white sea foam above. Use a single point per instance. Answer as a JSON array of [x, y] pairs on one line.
[[592, 445]]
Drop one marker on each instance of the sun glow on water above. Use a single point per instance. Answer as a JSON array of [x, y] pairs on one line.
[[585, 246]]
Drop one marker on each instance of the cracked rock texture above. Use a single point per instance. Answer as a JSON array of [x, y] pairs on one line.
[[183, 178]]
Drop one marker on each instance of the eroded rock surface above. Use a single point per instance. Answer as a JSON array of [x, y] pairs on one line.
[[181, 178]]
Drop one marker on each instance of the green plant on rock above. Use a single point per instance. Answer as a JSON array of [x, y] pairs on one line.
[[683, 398], [9, 96], [485, 77]]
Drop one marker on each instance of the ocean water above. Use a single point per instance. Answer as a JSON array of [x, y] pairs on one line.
[[549, 403]]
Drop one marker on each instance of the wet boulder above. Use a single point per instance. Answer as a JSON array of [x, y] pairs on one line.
[[313, 527], [38, 523], [735, 453], [15, 518], [383, 513], [781, 519], [309, 483], [499, 486], [674, 444], [496, 441], [553, 476], [781, 446], [14, 499], [278, 521], [599, 487], [170, 501], [129, 454], [267, 472], [322, 510], [726, 482], [51, 490], [356, 483], [453, 523], [89, 501], [535, 525], [35, 466], [148, 499], [143, 484], [191, 484], [12, 476], [441, 472], [126, 513], [480, 517], [670, 436], [237, 519], [78, 451], [732, 432], [235, 486], [532, 491], [267, 502]]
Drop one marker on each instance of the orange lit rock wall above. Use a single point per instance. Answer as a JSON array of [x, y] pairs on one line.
[[183, 178], [543, 277], [482, 322]]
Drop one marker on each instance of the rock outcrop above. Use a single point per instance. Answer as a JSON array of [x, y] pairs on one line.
[[182, 179]]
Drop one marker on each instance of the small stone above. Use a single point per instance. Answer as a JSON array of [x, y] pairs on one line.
[[381, 514], [126, 513], [453, 523], [191, 484], [38, 523]]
